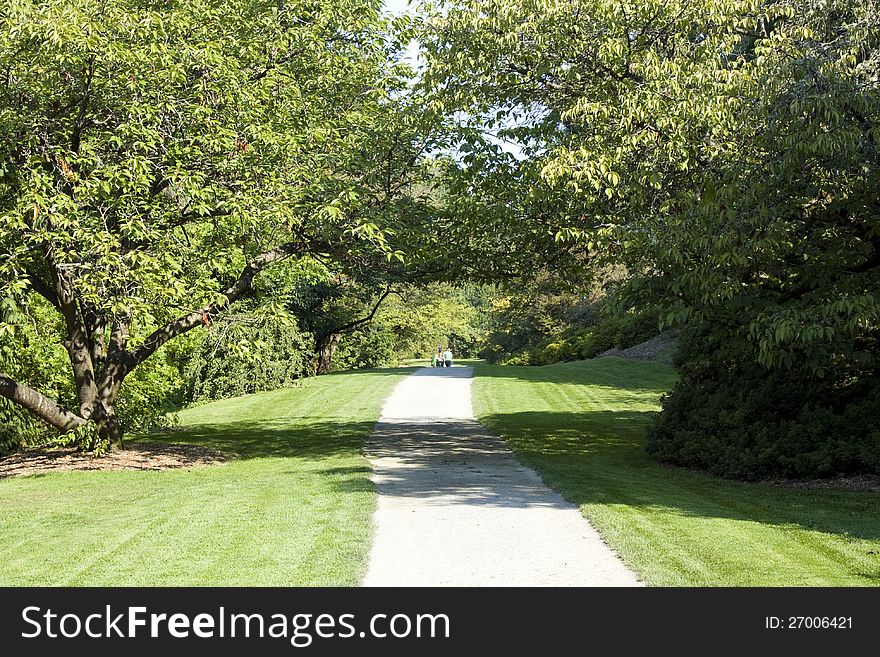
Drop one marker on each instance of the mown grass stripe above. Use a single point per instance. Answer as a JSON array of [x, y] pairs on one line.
[[294, 510], [582, 425]]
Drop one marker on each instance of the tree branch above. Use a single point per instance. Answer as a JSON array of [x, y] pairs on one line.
[[364, 320], [76, 135], [187, 322], [868, 265], [77, 342], [116, 367], [38, 404], [42, 288]]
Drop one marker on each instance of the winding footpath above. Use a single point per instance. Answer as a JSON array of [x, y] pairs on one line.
[[457, 509]]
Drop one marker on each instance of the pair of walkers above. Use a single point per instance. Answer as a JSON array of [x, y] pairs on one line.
[[442, 358]]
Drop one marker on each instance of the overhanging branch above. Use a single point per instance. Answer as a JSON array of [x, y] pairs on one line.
[[187, 322], [38, 404], [363, 320], [42, 288]]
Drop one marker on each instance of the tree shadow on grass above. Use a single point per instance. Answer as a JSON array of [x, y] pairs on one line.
[[390, 371], [598, 457], [641, 378], [316, 438], [637, 376], [592, 457], [352, 479], [310, 440]]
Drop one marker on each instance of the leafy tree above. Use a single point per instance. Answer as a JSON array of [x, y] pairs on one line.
[[724, 154], [331, 307], [422, 318], [724, 151], [156, 158]]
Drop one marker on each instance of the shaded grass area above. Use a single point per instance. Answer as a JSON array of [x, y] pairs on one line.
[[581, 426], [293, 509]]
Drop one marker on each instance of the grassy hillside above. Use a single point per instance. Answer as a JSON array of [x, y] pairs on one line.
[[581, 426], [294, 509]]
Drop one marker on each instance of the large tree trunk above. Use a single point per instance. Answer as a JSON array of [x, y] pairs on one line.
[[115, 371], [100, 368], [109, 429], [325, 347]]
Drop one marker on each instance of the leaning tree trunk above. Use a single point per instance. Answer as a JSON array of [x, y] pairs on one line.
[[325, 347], [101, 411], [99, 367]]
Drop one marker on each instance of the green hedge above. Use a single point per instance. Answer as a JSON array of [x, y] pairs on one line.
[[734, 418], [279, 354]]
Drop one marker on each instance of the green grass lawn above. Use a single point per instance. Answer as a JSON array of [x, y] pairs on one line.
[[295, 509], [582, 425]]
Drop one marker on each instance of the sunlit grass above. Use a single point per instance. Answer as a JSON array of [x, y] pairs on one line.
[[294, 507], [582, 425]]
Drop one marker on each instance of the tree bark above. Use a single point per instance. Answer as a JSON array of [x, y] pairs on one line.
[[109, 428], [325, 348], [77, 342], [38, 404]]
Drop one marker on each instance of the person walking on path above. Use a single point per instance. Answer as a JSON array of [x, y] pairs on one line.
[[447, 357]]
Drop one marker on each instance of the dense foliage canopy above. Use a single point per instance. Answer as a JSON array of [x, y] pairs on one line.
[[726, 152], [156, 157]]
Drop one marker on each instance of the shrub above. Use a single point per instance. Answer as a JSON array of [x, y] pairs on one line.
[[18, 428], [602, 338], [620, 332], [30, 352], [275, 355], [733, 417], [519, 359], [493, 353], [365, 348], [148, 394], [635, 328]]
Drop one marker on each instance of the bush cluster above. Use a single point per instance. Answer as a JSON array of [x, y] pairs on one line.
[[365, 348], [279, 354], [733, 417], [30, 352], [18, 428]]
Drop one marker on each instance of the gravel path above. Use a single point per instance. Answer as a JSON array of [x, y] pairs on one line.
[[457, 509]]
